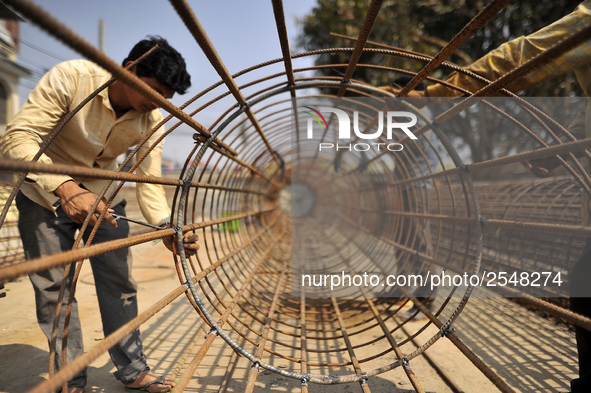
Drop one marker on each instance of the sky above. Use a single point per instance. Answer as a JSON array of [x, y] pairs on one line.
[[243, 32]]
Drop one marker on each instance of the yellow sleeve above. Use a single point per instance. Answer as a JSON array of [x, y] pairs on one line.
[[514, 53], [32, 125], [152, 197]]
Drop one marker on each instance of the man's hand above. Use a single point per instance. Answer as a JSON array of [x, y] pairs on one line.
[[77, 202], [189, 241]]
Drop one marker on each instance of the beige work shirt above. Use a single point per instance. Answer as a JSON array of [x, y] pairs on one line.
[[93, 138]]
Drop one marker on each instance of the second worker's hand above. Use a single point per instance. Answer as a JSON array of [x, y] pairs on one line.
[[189, 243], [542, 167], [77, 203]]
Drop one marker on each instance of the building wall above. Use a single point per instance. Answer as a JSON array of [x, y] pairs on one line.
[[9, 35], [10, 71], [10, 101]]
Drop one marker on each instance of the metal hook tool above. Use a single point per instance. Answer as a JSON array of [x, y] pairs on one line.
[[117, 217]]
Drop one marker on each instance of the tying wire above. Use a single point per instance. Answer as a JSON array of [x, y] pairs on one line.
[[120, 217]]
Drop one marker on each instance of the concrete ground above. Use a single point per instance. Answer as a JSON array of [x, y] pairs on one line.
[[529, 352]]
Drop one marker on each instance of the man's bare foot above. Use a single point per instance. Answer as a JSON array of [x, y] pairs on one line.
[[150, 382]]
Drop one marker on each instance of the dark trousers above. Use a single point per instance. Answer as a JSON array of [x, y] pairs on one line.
[[580, 302], [43, 233]]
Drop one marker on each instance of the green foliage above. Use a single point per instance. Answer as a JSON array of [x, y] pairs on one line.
[[425, 26]]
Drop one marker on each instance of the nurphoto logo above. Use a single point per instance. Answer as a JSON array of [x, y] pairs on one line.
[[400, 120]]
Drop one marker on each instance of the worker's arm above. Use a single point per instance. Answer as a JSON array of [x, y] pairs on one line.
[[46, 105], [514, 53], [152, 197], [25, 134]]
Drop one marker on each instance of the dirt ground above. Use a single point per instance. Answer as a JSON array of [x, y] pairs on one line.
[[531, 353]]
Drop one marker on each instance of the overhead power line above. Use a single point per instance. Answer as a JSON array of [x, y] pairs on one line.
[[40, 49]]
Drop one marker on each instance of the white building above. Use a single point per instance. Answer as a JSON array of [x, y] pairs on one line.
[[10, 71]]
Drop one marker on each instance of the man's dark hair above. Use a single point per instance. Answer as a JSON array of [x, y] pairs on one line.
[[165, 64]]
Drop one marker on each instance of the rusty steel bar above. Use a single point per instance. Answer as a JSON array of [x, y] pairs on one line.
[[69, 371], [531, 65], [569, 148], [60, 31], [289, 73], [470, 355], [543, 152], [254, 370], [284, 41], [454, 67], [538, 227], [368, 22], [394, 345], [188, 17], [57, 130], [444, 375], [399, 354], [190, 371], [489, 11], [407, 54], [44, 263], [487, 371], [303, 341], [567, 315], [96, 173], [354, 360]]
